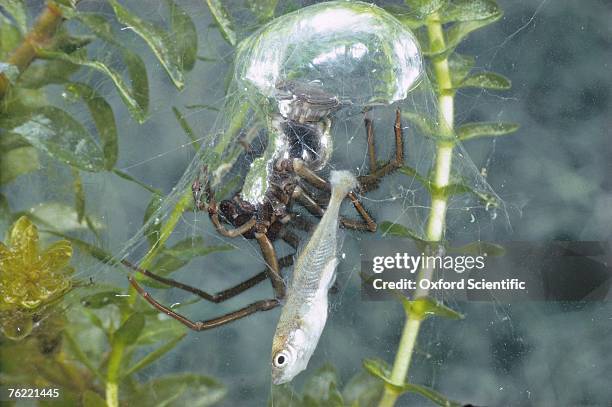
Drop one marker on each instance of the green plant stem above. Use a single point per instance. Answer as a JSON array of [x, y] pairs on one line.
[[185, 202], [40, 35], [113, 372], [112, 376], [437, 214]]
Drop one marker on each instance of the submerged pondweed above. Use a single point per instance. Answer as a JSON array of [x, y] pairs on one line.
[[29, 277]]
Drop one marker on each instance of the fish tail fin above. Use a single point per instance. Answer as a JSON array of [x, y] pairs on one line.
[[342, 182]]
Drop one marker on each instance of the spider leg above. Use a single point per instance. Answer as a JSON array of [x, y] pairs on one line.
[[217, 297], [370, 182], [304, 199], [371, 144], [314, 208], [291, 239], [263, 305], [273, 270], [200, 186], [222, 230]]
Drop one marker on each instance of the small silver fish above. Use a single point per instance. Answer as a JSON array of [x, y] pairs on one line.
[[305, 311]]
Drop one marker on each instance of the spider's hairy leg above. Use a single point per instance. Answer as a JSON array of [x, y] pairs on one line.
[[200, 188], [371, 142], [273, 270], [371, 181], [219, 296], [215, 298], [290, 238], [263, 305], [301, 169]]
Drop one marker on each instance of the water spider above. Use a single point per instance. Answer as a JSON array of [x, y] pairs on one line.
[[294, 175], [291, 78]]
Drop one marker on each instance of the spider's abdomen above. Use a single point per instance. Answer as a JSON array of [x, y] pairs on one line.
[[304, 141], [310, 142]]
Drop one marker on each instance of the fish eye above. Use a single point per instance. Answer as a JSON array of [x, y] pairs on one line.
[[280, 360]]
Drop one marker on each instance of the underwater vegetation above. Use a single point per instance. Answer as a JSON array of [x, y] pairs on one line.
[[301, 83]]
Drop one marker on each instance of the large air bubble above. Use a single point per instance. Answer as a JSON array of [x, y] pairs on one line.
[[354, 52]]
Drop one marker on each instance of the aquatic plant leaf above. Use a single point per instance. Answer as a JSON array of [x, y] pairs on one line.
[[16, 9], [154, 355], [57, 256], [179, 390], [130, 330], [96, 321], [377, 368], [412, 173], [9, 37], [135, 98], [78, 353], [486, 80], [223, 20], [263, 9], [423, 308], [50, 72], [67, 43], [55, 132], [184, 36], [461, 188], [321, 388], [152, 229], [103, 299], [460, 30], [17, 157], [468, 10], [94, 251], [174, 257], [16, 325], [159, 330], [460, 66], [103, 118], [457, 33], [128, 177], [425, 7], [405, 15], [158, 41], [61, 217], [470, 131], [23, 237], [362, 390], [425, 124], [397, 230], [180, 118]]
